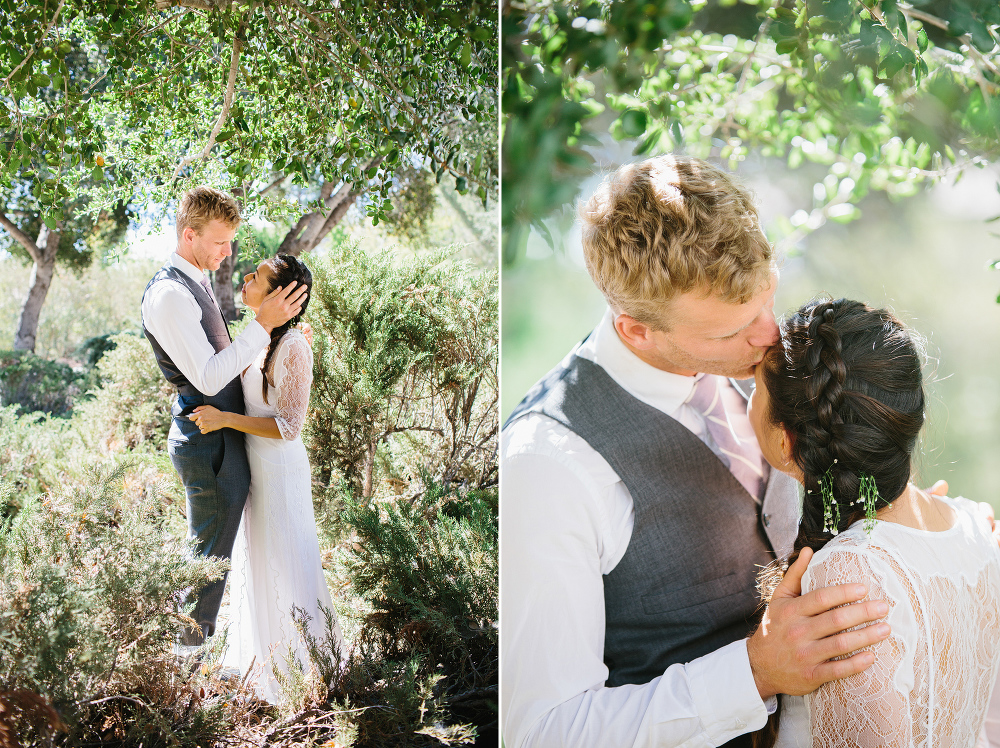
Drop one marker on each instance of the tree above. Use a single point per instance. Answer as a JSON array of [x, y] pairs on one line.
[[885, 95], [251, 97]]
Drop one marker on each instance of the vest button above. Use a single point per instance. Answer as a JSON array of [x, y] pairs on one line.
[[767, 520]]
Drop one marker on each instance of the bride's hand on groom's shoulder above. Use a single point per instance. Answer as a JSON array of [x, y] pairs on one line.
[[208, 418], [793, 649]]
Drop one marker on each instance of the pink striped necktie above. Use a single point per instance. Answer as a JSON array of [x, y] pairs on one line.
[[740, 451], [208, 287]]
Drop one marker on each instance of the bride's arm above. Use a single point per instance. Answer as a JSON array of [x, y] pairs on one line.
[[870, 709], [209, 418], [292, 379]]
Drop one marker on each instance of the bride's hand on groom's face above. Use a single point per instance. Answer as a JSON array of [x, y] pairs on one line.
[[792, 650], [281, 305], [208, 419]]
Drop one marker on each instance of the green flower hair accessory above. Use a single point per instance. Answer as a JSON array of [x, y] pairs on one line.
[[868, 495], [831, 510]]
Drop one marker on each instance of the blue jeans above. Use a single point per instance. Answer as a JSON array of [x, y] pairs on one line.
[[213, 468]]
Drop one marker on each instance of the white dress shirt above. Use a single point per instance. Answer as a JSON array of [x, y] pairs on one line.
[[173, 317], [567, 520]]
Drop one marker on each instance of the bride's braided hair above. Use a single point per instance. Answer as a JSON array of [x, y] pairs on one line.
[[845, 383], [284, 270]]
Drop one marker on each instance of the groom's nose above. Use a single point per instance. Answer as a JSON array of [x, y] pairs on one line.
[[765, 332]]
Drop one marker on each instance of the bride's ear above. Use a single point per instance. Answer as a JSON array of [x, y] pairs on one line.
[[787, 445], [633, 333]]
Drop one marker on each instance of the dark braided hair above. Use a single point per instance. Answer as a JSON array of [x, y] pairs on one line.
[[845, 383], [284, 270]]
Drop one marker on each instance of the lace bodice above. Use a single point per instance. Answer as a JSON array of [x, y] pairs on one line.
[[932, 678], [288, 400]]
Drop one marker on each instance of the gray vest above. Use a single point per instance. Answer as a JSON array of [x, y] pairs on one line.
[[686, 584], [230, 397]]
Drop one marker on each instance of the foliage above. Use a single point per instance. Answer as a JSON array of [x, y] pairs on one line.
[[132, 404], [92, 580], [289, 88], [405, 363], [423, 669], [35, 451], [884, 95], [34, 383], [415, 581], [428, 570], [414, 200]]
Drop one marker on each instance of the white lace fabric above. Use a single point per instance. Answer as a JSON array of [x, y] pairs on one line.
[[288, 398], [932, 678]]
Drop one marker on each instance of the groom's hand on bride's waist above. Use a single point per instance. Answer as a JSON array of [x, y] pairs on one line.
[[792, 650], [281, 305]]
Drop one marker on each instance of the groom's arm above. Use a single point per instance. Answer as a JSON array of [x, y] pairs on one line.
[[173, 317], [561, 535]]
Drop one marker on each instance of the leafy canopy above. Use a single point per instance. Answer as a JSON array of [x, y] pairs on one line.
[[887, 95], [140, 100]]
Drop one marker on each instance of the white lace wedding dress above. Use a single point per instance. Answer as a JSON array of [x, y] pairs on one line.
[[932, 678], [276, 560]]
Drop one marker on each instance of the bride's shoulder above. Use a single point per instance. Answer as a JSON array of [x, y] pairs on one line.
[[850, 553], [293, 337], [293, 344]]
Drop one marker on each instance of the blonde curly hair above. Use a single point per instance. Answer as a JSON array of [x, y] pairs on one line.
[[203, 204], [669, 225]]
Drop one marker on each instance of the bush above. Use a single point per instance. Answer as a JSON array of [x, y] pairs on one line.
[[33, 383], [37, 452], [428, 573], [132, 404], [405, 376], [91, 586], [424, 663]]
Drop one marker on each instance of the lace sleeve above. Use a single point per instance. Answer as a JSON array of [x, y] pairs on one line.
[[292, 379], [872, 708]]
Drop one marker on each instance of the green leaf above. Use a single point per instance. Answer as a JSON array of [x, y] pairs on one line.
[[462, 185], [633, 122], [50, 222]]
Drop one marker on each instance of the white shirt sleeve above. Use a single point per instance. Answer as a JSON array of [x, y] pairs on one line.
[[173, 317], [557, 542]]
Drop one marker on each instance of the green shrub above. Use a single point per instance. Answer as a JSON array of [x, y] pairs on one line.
[[33, 383], [405, 375], [132, 405], [423, 667], [37, 452], [90, 591]]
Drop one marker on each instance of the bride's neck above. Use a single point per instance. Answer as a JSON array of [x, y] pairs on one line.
[[919, 510]]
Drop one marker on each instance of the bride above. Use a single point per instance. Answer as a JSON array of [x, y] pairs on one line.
[[276, 562], [838, 405]]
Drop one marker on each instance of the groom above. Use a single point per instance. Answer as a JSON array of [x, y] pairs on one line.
[[193, 348], [636, 506]]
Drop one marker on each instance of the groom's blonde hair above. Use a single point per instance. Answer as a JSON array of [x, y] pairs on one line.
[[203, 204], [669, 225]]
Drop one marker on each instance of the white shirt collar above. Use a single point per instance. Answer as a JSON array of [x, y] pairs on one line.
[[662, 390], [187, 268]]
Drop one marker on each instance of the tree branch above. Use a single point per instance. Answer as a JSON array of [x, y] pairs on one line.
[[41, 40], [23, 239], [227, 103]]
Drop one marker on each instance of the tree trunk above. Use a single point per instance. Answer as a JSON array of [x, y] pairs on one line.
[[47, 245], [222, 284], [312, 227]]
